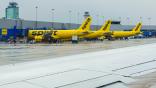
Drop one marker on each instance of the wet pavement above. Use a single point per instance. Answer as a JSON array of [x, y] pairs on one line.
[[144, 81], [10, 54]]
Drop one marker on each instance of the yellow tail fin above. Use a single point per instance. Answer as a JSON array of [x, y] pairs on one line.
[[106, 26], [86, 24], [137, 28]]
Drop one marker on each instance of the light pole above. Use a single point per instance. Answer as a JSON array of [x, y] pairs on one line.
[[36, 17], [52, 24], [97, 20], [149, 20], [128, 20], [78, 15], [140, 19], [103, 17], [120, 19], [70, 19]]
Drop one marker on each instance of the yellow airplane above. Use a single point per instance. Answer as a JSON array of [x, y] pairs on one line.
[[125, 34], [101, 32], [62, 34]]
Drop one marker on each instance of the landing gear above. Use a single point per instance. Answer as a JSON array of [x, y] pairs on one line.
[[47, 37], [126, 38], [109, 38]]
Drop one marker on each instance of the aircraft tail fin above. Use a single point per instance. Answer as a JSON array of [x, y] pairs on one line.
[[86, 24], [137, 28], [106, 26]]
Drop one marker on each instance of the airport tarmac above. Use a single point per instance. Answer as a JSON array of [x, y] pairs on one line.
[[10, 54], [144, 81]]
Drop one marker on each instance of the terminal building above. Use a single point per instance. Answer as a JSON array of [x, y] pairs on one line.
[[13, 26], [21, 27]]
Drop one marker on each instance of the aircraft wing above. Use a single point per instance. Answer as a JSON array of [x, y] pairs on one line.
[[87, 32], [102, 69], [108, 34]]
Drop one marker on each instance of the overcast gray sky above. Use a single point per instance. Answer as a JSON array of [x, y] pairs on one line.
[[110, 9]]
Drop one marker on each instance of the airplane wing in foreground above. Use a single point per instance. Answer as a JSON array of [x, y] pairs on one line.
[[103, 69]]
